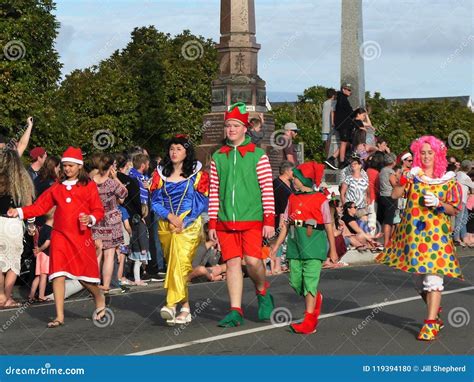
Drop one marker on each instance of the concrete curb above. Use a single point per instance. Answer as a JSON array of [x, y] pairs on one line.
[[354, 257]]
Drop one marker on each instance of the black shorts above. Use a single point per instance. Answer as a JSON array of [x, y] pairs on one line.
[[346, 131], [387, 208]]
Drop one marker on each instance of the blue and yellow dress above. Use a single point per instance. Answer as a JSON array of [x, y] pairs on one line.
[[187, 199]]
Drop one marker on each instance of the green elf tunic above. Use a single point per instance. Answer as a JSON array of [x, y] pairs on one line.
[[307, 248]]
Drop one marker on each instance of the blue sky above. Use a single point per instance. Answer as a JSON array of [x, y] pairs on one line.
[[423, 48]]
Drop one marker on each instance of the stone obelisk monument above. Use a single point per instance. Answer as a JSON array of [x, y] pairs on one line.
[[238, 79], [352, 61]]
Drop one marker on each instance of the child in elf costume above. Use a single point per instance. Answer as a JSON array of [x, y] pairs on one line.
[[309, 223], [241, 212]]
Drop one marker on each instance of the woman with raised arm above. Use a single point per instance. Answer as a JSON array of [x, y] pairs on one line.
[[16, 190]]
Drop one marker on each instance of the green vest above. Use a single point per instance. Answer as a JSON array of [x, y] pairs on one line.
[[240, 197]]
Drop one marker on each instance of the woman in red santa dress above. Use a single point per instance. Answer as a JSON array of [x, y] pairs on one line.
[[72, 250]]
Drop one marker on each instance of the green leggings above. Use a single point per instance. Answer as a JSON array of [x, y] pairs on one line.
[[304, 276]]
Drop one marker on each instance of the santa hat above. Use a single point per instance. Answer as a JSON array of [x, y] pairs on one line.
[[310, 173], [238, 112], [72, 154]]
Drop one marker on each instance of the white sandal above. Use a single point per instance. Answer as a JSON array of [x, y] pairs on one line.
[[168, 314], [187, 319]]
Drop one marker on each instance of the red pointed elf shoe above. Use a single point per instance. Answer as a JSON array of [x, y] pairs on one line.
[[308, 326], [319, 304], [310, 322], [429, 331]]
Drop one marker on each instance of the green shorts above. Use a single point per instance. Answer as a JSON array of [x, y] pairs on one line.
[[304, 276]]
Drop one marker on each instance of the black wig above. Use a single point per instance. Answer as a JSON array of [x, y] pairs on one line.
[[189, 163]]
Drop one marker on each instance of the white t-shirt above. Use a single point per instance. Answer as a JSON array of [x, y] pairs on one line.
[[328, 107]]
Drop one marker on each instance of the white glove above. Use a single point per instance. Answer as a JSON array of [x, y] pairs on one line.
[[413, 173], [431, 200]]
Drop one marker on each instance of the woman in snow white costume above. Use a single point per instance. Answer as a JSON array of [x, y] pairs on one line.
[[72, 250], [422, 242], [180, 192]]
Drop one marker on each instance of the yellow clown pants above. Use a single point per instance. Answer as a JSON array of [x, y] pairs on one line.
[[179, 250]]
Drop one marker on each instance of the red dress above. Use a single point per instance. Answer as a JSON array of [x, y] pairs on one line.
[[72, 251]]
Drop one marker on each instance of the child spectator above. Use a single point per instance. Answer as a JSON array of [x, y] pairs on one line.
[[42, 260], [123, 250], [139, 245], [256, 131]]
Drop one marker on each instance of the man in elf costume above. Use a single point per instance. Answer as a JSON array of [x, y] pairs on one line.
[[241, 212], [309, 223]]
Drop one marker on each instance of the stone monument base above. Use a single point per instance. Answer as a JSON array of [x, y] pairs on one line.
[[213, 138]]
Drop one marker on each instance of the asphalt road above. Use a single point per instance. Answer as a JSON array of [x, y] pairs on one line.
[[366, 310]]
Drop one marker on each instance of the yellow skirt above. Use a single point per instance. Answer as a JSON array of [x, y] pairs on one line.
[[179, 250]]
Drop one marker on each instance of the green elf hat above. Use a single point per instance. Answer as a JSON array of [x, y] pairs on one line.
[[310, 173], [238, 112]]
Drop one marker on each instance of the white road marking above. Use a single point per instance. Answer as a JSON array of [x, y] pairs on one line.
[[270, 327]]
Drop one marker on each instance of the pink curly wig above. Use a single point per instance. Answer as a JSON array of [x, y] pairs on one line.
[[440, 149]]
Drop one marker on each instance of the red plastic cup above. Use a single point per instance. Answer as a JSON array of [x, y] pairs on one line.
[[82, 226]]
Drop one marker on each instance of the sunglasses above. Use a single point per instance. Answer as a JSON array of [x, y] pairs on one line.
[[408, 160]]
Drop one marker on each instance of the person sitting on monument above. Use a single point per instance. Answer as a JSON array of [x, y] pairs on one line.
[[382, 145], [255, 131], [328, 131], [360, 126]]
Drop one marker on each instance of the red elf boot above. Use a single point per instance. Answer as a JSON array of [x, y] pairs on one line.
[[310, 321]]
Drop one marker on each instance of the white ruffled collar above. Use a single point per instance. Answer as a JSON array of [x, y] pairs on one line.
[[417, 172], [70, 182], [197, 168]]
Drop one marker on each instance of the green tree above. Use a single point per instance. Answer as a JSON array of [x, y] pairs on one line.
[[140, 95], [29, 64], [306, 113], [398, 124]]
